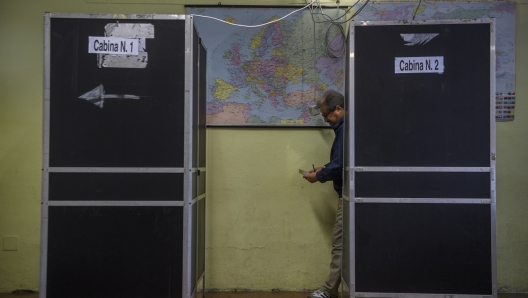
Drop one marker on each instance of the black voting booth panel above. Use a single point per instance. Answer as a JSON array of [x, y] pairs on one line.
[[419, 213], [114, 251], [124, 132], [123, 207], [423, 248]]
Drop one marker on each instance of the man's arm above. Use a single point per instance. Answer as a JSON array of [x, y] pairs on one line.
[[311, 175], [334, 169]]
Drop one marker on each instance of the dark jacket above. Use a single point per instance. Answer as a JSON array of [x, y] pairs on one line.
[[334, 169]]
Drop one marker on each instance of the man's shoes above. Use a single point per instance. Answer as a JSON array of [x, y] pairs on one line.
[[318, 294]]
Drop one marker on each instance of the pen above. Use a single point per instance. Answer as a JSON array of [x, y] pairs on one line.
[[313, 167]]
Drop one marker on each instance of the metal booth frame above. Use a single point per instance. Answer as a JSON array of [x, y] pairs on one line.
[[190, 170], [349, 275]]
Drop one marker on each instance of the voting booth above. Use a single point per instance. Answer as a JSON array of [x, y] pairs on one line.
[[123, 196], [123, 189], [419, 194]]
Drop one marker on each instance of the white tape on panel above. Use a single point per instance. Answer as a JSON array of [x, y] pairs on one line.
[[137, 32]]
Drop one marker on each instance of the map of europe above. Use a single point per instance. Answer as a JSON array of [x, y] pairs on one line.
[[266, 75], [271, 75]]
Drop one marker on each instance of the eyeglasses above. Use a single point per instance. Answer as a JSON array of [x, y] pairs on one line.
[[325, 114]]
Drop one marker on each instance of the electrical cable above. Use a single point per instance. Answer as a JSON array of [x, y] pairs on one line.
[[355, 13], [335, 53], [314, 62], [254, 26], [416, 10], [327, 19], [328, 49]]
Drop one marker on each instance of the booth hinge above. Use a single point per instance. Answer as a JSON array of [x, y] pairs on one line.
[[493, 156], [198, 172]]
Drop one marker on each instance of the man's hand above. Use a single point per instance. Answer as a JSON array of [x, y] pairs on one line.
[[311, 175], [316, 170]]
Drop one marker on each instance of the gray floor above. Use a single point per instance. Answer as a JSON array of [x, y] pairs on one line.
[[245, 295]]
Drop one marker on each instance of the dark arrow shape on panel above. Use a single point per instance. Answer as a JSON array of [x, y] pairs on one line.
[[97, 96]]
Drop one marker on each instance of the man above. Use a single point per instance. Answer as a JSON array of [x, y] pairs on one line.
[[332, 109]]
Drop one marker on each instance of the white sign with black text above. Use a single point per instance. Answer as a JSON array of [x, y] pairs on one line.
[[113, 45], [419, 64]]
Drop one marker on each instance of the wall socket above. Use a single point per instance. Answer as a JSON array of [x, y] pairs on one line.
[[10, 243]]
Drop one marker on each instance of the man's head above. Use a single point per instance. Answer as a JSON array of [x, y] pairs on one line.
[[332, 106]]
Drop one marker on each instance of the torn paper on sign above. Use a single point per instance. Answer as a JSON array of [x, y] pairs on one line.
[[418, 38], [138, 31]]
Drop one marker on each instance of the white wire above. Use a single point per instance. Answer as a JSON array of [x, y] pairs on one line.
[[320, 6], [253, 26]]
